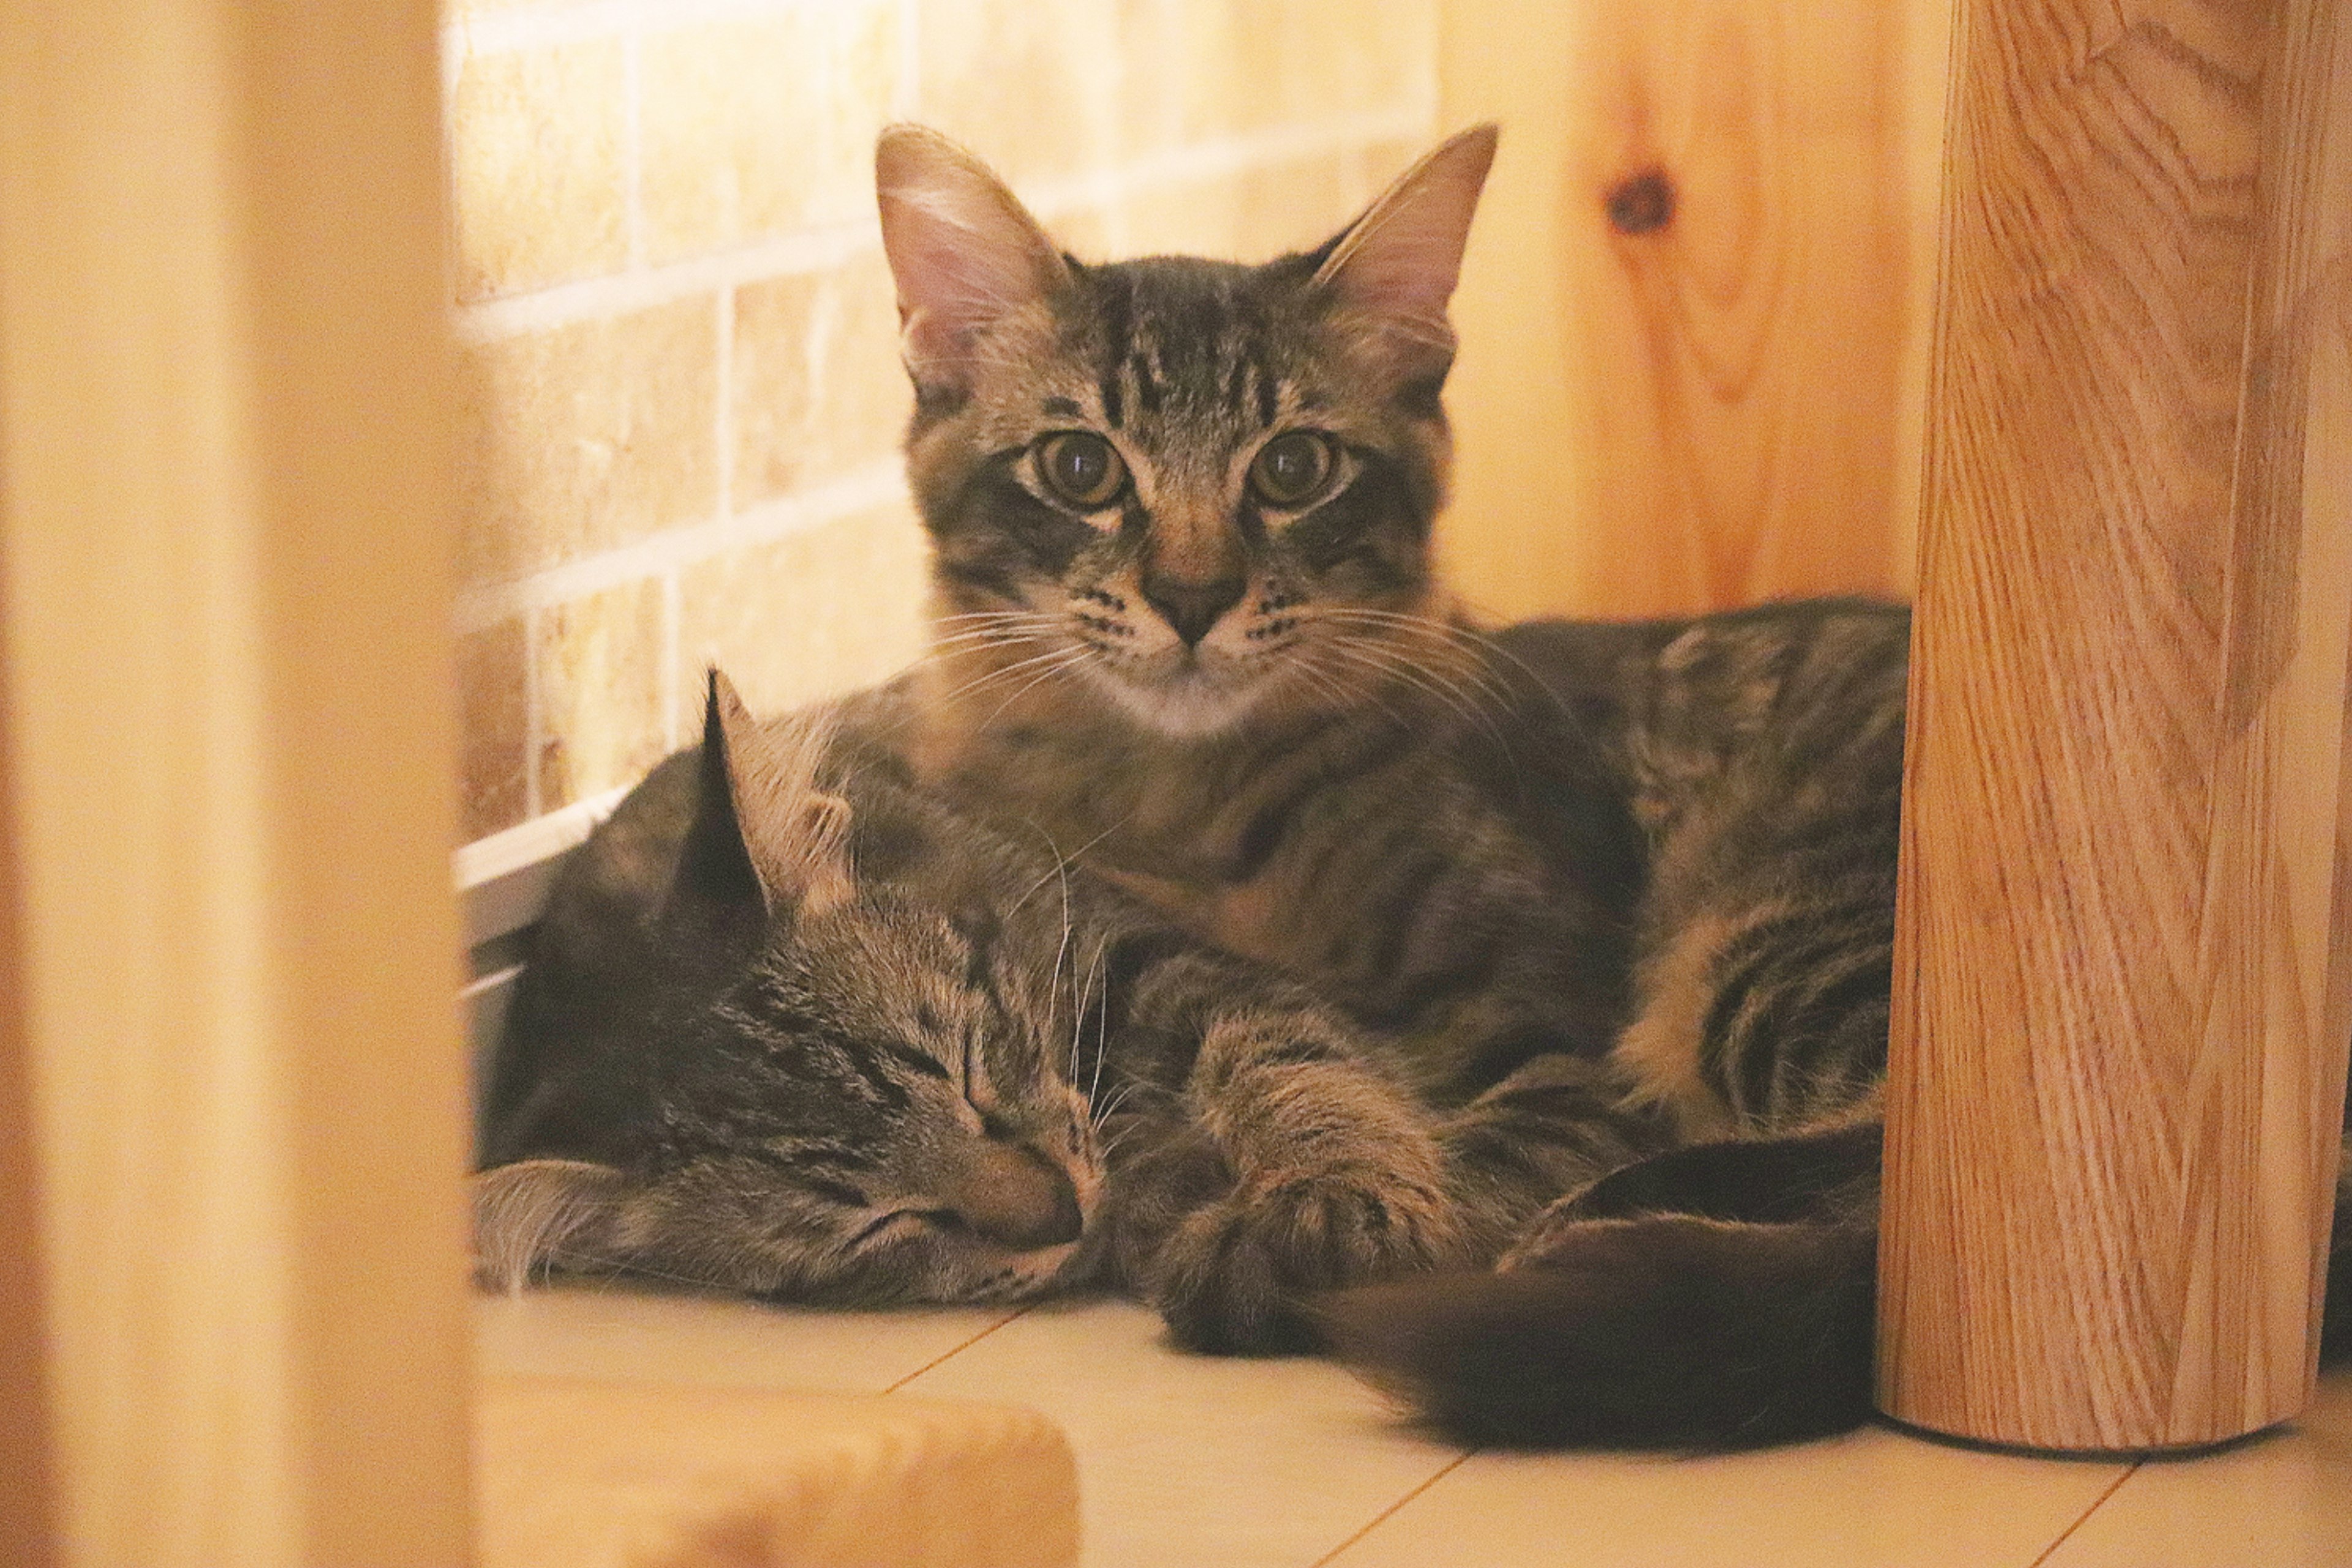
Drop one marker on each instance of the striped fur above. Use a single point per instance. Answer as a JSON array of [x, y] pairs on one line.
[[1254, 715], [1616, 893], [1220, 913], [790, 1026], [1605, 889], [1763, 750], [1718, 1293], [1721, 1293]]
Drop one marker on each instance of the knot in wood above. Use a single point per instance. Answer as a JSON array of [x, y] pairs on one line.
[[1640, 204]]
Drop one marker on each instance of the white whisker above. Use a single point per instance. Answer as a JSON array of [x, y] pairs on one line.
[[1068, 659]]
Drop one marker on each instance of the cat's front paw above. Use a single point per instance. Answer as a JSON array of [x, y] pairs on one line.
[[1234, 1277]]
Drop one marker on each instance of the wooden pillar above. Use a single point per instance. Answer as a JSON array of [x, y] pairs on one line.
[[225, 514], [26, 1482], [2119, 1050]]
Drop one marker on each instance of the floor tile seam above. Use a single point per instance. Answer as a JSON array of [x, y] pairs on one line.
[[1385, 1514], [957, 1348], [2085, 1516]]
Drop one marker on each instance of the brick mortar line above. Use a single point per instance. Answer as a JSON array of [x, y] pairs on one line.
[[673, 615], [819, 249], [534, 715], [545, 27], [906, 92], [623, 293], [722, 416], [633, 147], [877, 484]]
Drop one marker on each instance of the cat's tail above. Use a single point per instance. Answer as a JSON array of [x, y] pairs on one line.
[[1672, 1330], [1661, 1332]]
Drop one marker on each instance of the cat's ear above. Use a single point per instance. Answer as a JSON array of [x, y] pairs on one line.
[[964, 251], [762, 827], [537, 1214], [1397, 263]]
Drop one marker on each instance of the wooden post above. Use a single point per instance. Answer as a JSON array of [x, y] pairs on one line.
[[226, 496], [2119, 1050]]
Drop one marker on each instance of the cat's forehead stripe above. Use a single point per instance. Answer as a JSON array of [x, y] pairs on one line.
[[1110, 291], [1237, 383], [1147, 381], [1173, 335]]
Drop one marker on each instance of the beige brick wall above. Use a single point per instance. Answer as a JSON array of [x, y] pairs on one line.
[[679, 342]]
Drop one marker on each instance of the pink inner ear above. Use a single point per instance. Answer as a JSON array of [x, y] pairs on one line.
[[1410, 267], [1403, 257], [963, 250], [953, 277]]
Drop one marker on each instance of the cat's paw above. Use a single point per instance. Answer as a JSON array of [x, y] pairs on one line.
[[1234, 1277], [1161, 1173]]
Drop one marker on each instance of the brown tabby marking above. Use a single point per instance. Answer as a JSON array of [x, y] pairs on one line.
[[1623, 874], [793, 1027], [1659, 1049], [1216, 662]]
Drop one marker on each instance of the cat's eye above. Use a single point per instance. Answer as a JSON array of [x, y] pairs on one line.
[[1081, 467], [1292, 468]]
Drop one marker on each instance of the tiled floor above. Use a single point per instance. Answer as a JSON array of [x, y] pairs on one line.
[[1292, 1464]]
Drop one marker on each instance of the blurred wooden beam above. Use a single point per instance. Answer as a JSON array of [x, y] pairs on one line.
[[226, 535], [27, 1482]]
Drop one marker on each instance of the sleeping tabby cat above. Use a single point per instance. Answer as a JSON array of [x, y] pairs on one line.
[[1390, 945], [793, 1027]]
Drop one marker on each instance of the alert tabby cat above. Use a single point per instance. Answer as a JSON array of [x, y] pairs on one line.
[[1180, 514], [1393, 946]]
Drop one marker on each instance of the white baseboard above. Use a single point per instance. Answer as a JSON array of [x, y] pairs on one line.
[[502, 884], [503, 880]]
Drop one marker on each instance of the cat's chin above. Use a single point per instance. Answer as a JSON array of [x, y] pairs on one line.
[[1193, 704]]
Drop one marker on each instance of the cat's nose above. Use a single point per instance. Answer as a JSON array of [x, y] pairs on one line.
[[1191, 608], [1016, 1197]]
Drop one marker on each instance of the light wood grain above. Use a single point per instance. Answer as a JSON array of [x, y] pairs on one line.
[[227, 533], [2117, 1069], [582, 1473], [1693, 314], [27, 1484]]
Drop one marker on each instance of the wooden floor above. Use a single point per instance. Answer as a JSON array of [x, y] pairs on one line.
[[1185, 1461]]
